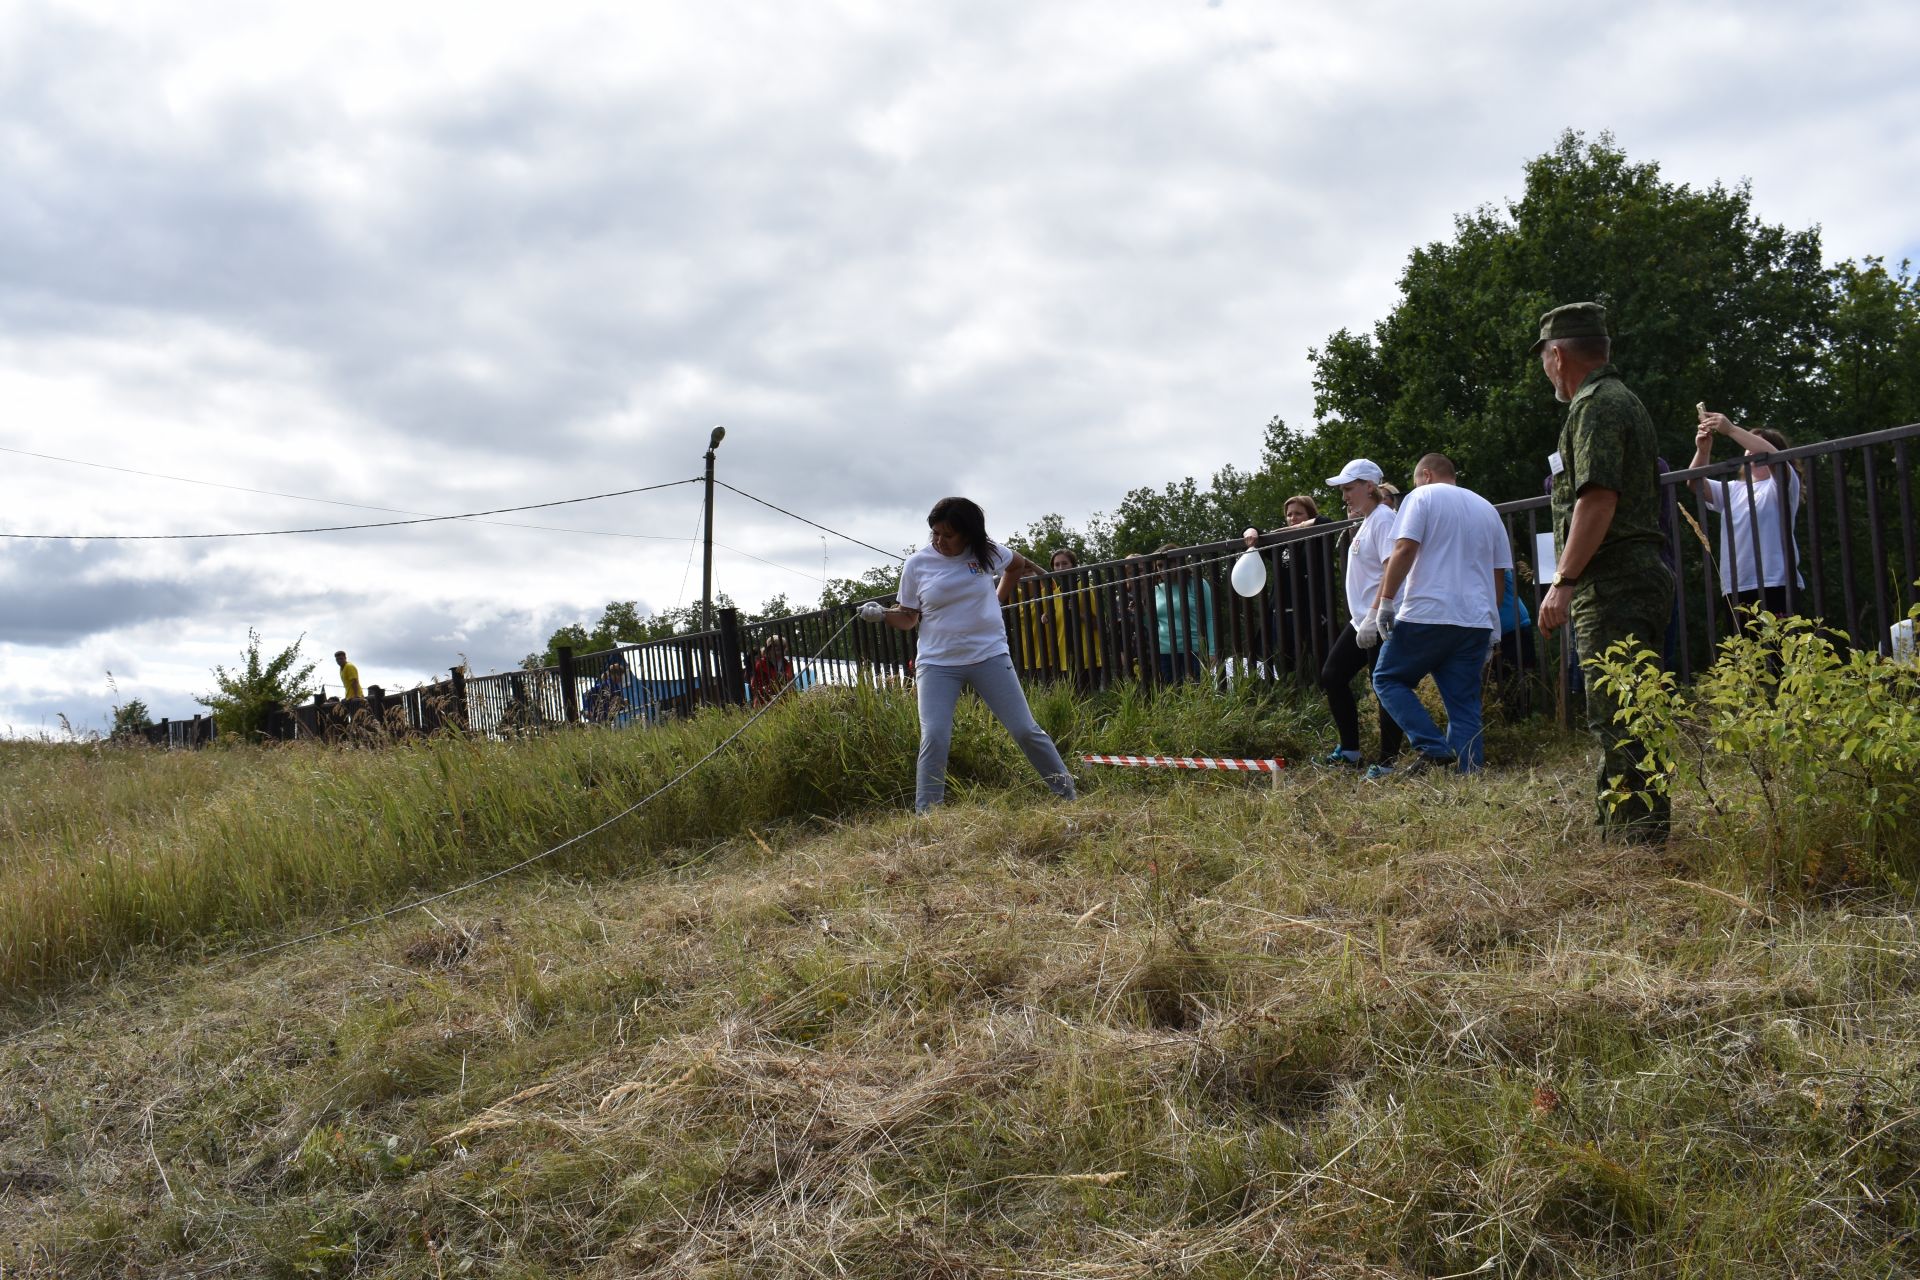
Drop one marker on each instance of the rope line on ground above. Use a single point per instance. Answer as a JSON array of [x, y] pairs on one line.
[[342, 528]]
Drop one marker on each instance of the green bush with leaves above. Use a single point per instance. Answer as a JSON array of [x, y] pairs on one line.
[[1806, 757]]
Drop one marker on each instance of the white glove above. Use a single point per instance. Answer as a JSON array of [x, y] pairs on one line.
[[1367, 634], [1376, 626], [1493, 649], [873, 611]]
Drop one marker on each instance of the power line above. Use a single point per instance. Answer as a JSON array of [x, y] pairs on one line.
[[337, 528], [891, 555], [331, 502]]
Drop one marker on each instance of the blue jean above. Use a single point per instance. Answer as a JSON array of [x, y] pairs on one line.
[[994, 680], [1455, 658]]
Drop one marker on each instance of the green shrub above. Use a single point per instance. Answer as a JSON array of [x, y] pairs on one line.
[[1806, 758]]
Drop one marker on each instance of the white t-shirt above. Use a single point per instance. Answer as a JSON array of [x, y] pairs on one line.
[[1461, 543], [1367, 558], [959, 609], [1767, 552]]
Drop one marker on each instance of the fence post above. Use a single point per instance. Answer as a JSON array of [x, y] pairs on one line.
[[733, 683], [193, 738], [569, 691], [460, 694]]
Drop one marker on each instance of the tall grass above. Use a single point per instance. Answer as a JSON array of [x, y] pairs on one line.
[[104, 848]]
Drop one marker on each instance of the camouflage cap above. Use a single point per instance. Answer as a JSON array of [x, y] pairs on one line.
[[1575, 320]]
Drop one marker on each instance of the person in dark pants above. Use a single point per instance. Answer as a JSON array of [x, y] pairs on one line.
[[1611, 583], [1359, 486], [1516, 660], [1449, 548]]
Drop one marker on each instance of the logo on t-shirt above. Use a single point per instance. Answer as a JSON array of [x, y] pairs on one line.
[[973, 568]]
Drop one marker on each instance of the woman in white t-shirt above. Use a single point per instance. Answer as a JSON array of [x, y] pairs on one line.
[[1359, 486], [1754, 543], [947, 591]]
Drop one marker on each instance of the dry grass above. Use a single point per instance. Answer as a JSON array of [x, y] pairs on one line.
[[1185, 1028]]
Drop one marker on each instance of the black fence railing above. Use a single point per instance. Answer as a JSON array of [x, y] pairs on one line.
[[1840, 543]]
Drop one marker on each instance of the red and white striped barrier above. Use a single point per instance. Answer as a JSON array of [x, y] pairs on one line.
[[1190, 762]]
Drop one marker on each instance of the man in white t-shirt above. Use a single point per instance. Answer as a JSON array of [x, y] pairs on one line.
[[1450, 552]]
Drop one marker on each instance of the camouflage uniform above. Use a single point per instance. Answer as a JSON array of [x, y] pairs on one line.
[[1626, 589]]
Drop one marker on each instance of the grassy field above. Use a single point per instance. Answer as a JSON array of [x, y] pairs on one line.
[[1186, 1027]]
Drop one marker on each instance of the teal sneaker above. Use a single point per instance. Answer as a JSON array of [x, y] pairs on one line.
[[1339, 759], [1375, 772]]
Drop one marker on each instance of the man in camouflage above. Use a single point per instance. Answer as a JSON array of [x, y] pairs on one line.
[[1611, 581]]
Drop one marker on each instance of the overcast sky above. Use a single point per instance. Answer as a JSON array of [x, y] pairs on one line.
[[1037, 253]]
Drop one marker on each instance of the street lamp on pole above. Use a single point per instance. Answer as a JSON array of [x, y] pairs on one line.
[[706, 569]]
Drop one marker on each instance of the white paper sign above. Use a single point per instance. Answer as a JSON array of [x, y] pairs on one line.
[[1554, 463], [1545, 563]]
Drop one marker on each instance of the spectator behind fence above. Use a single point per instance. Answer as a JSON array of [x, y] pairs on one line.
[[607, 696], [1307, 596], [1754, 539], [1075, 643], [1448, 552], [349, 678], [1390, 494], [1517, 654], [1359, 486], [1183, 608], [1611, 583], [772, 671], [1128, 597], [947, 591]]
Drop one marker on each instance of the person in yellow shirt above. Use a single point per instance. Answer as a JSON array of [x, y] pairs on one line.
[[1060, 626], [349, 678]]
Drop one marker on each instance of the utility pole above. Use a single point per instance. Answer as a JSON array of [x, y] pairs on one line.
[[706, 568]]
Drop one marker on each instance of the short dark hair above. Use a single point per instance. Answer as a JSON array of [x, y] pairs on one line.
[[1438, 463], [1073, 561]]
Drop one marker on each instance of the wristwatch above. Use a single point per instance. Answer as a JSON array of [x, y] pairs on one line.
[[1565, 579]]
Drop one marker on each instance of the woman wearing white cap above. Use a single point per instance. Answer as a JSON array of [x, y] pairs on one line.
[[1359, 486]]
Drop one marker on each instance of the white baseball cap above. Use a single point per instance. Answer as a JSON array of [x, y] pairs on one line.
[[1358, 469]]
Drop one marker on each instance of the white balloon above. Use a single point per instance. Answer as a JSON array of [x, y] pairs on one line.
[[1250, 574]]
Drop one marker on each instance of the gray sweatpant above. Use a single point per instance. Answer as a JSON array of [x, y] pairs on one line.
[[994, 680]]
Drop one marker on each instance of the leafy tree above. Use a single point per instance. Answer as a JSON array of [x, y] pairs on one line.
[[881, 580], [778, 607], [1706, 303], [1873, 369], [241, 698], [1178, 512], [621, 622], [130, 717], [1051, 533]]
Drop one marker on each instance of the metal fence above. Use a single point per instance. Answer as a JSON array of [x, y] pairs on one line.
[[1845, 553]]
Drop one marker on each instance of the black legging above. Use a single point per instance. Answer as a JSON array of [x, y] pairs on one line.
[[1345, 661]]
